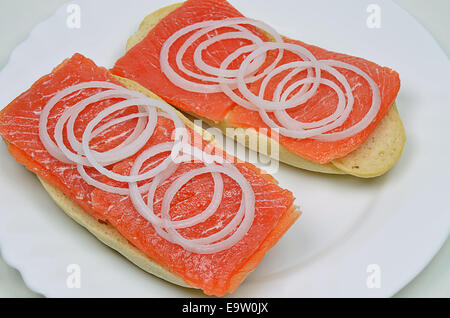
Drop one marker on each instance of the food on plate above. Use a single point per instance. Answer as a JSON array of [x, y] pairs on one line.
[[333, 113], [124, 164]]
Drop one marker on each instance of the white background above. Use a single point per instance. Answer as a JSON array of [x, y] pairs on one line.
[[17, 19]]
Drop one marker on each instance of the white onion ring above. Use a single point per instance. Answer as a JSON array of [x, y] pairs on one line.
[[206, 27], [153, 151], [218, 72], [368, 117], [167, 228], [226, 80], [51, 147], [148, 111], [127, 148]]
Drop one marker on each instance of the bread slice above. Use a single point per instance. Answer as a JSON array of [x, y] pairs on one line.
[[107, 234], [373, 158]]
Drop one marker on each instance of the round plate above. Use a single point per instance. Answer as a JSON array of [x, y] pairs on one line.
[[356, 237]]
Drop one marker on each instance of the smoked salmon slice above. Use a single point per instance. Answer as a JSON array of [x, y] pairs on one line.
[[142, 64], [19, 126], [216, 273]]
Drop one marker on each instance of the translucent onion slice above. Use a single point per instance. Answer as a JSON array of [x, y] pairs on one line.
[[268, 105], [140, 126], [87, 136], [368, 117], [147, 117], [158, 149], [219, 72], [223, 79], [51, 147], [297, 129], [106, 187], [128, 147], [180, 150], [202, 29], [232, 233]]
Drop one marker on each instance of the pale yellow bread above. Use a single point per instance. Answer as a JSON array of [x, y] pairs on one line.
[[107, 234], [374, 157]]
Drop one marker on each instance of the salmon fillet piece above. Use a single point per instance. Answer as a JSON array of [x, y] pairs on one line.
[[141, 64]]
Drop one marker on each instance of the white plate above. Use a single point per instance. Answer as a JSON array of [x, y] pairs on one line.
[[397, 221]]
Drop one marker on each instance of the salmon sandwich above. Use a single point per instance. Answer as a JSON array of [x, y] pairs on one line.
[[124, 164], [331, 112]]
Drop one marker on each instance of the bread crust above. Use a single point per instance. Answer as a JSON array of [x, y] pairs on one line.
[[373, 158]]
